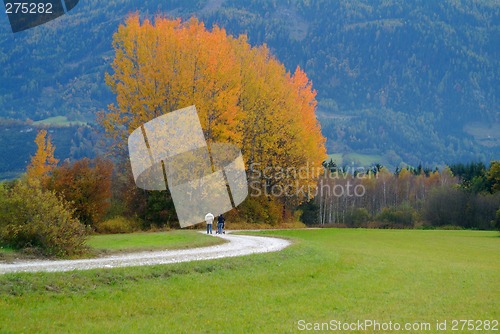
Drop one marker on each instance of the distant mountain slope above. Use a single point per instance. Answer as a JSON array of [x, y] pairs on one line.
[[411, 76], [413, 81]]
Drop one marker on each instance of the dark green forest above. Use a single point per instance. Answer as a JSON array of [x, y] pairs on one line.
[[412, 82]]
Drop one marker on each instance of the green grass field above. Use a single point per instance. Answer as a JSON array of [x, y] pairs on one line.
[[134, 242], [60, 121], [356, 159], [112, 243], [329, 274]]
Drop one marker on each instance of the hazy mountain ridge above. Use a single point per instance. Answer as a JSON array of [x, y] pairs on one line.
[[411, 76]]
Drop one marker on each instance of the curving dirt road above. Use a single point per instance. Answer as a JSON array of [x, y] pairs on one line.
[[238, 245]]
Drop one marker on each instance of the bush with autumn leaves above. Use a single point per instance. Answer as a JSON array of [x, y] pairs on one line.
[[39, 220], [52, 208]]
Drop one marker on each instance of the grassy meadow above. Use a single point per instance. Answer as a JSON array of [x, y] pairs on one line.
[[356, 159], [57, 121], [327, 274], [104, 244], [114, 243]]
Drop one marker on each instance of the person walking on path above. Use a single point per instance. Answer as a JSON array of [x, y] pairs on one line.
[[220, 223], [209, 219]]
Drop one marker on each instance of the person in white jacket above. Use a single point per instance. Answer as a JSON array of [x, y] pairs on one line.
[[209, 219]]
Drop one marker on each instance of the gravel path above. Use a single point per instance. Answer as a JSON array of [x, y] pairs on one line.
[[238, 245]]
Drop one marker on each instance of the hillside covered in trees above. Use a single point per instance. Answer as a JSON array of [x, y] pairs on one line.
[[398, 81]]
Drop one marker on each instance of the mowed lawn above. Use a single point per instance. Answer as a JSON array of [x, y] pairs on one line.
[[100, 245], [329, 274], [111, 243]]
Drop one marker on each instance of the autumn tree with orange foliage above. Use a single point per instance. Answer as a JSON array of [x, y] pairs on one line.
[[161, 68], [243, 95], [43, 162], [86, 185]]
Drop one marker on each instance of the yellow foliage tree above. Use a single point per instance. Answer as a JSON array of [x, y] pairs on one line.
[[43, 161], [242, 93]]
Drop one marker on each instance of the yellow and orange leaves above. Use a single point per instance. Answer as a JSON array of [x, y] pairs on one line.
[[242, 93], [43, 161]]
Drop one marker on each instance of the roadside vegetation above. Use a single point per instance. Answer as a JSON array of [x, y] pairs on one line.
[[106, 244], [173, 239]]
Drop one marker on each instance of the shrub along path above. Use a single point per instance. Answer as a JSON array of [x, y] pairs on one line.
[[237, 245]]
